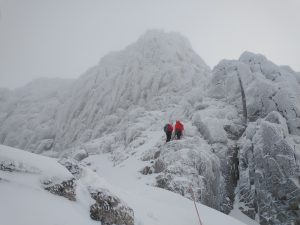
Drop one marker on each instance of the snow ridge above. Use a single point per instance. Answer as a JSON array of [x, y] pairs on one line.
[[19, 188], [153, 72]]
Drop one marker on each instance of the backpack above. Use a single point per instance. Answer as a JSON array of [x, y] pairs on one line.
[[167, 127]]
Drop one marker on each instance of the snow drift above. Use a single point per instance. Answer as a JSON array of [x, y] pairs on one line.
[[22, 194]]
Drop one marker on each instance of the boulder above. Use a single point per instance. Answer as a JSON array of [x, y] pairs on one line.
[[109, 209], [80, 154], [66, 189]]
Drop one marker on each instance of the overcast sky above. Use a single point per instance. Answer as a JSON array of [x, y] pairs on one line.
[[63, 38]]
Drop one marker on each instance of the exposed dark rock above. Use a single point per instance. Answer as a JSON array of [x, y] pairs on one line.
[[156, 154], [65, 189], [7, 166], [147, 170], [164, 181], [231, 177], [109, 209]]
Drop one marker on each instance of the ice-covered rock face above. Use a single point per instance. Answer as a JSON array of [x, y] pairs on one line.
[[268, 185], [156, 71], [267, 88], [153, 73], [269, 173], [179, 166], [28, 114]]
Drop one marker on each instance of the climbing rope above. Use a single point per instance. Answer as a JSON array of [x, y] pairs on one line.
[[193, 197]]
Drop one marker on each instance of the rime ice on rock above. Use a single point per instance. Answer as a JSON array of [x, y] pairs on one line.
[[268, 184]]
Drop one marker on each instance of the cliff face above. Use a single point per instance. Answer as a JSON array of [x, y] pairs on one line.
[[269, 149], [151, 73], [158, 69]]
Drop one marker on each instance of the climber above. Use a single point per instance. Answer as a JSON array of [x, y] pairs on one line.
[[168, 128], [178, 129]]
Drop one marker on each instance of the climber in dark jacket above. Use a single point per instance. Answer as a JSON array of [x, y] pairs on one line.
[[168, 128], [178, 129]]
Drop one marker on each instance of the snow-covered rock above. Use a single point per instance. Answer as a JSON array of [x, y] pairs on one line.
[[190, 163], [28, 115], [65, 189], [109, 209], [269, 174], [268, 185], [267, 88]]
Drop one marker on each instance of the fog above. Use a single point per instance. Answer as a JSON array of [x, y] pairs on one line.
[[64, 38]]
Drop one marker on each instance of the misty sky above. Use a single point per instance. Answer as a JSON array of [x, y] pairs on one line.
[[63, 38]]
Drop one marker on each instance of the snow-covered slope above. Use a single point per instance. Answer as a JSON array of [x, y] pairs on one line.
[[24, 201], [22, 194]]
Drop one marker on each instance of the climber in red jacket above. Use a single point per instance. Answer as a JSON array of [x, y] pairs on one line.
[[178, 129]]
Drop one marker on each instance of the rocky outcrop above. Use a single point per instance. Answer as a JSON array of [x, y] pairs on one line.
[[268, 155], [221, 125], [269, 174], [267, 88], [109, 209], [7, 166], [185, 164], [65, 189]]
